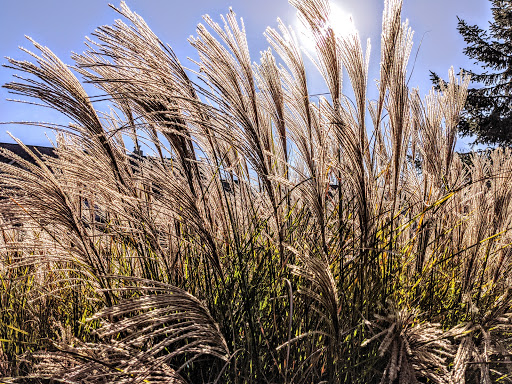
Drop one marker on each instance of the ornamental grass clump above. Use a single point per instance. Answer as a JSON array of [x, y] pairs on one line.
[[268, 236]]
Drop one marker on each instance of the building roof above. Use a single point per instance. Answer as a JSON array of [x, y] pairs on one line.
[[20, 151]]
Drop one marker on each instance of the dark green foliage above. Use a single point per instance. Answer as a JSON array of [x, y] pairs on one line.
[[487, 114]]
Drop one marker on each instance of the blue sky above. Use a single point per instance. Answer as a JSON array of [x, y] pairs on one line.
[[62, 25]]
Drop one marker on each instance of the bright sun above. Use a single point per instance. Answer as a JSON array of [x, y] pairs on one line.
[[341, 23]]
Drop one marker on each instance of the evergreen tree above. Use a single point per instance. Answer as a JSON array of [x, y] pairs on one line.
[[488, 114]]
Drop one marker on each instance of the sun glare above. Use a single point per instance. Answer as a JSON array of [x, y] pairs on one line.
[[340, 21]]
